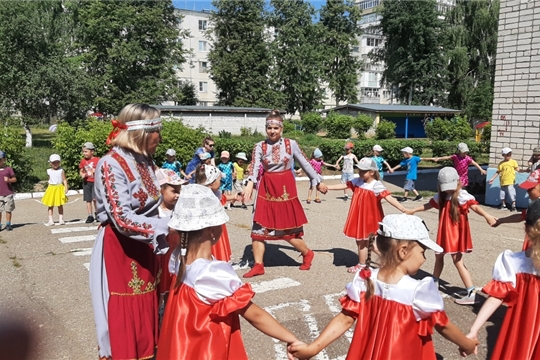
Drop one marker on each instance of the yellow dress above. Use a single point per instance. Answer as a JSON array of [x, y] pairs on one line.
[[55, 195]]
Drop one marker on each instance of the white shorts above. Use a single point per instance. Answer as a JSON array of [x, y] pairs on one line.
[[238, 187]]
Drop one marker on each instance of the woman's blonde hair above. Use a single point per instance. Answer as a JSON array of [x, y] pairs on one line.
[[134, 140]]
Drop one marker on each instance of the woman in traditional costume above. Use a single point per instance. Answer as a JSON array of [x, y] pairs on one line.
[[124, 268], [278, 213]]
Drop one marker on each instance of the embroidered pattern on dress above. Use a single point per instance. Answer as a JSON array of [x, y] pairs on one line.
[[276, 152], [142, 196], [283, 197], [148, 181], [123, 164], [137, 284], [115, 207]]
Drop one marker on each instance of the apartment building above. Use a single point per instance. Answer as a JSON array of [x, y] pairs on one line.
[[196, 67]]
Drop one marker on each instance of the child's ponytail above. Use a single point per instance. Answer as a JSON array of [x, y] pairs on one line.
[[365, 273], [200, 174], [184, 241]]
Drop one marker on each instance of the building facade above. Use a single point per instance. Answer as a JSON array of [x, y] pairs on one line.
[[196, 67]]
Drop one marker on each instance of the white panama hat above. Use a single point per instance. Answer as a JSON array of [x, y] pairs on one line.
[[197, 208], [367, 164]]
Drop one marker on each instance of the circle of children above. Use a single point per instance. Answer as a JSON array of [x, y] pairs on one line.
[[380, 291]]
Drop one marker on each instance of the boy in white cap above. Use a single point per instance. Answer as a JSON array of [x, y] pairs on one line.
[[507, 172], [239, 168], [410, 162], [87, 168], [172, 164], [380, 161]]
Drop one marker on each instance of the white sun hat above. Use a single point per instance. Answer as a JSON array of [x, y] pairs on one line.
[[54, 157], [407, 149], [377, 148], [197, 208], [367, 164], [168, 176], [407, 227], [171, 152], [241, 155], [448, 178], [212, 173]]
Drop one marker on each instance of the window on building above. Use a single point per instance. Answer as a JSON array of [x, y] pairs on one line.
[[203, 86], [202, 24], [202, 46], [372, 79], [370, 92], [368, 4], [373, 41], [203, 66], [356, 49]]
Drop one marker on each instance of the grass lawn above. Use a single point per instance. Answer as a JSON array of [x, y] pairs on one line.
[[40, 152]]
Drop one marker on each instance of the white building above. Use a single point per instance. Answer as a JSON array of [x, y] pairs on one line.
[[196, 68]]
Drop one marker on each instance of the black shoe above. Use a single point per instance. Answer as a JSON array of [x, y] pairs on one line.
[[9, 228], [89, 219], [244, 206], [501, 207], [418, 198], [513, 208], [403, 199]]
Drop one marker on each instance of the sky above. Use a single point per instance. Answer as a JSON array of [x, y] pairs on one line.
[[200, 5]]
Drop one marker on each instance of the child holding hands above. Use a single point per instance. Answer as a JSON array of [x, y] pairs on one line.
[[202, 314], [454, 233], [396, 313], [317, 163], [507, 172], [366, 210], [462, 160]]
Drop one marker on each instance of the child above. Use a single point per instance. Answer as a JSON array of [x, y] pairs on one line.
[[347, 172], [316, 163], [229, 172], [515, 282], [396, 313], [379, 160], [461, 161], [239, 168], [507, 171], [87, 168], [173, 164], [170, 184], [534, 161], [210, 176], [7, 204], [411, 163], [366, 209], [454, 233], [532, 185], [202, 314], [55, 195]]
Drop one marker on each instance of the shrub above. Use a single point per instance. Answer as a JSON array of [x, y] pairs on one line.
[[362, 123], [456, 129], [447, 148], [338, 126], [312, 122], [385, 130], [244, 131], [13, 144], [224, 134], [288, 126], [486, 134], [185, 140]]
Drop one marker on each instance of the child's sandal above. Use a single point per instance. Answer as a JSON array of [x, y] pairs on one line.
[[317, 200], [308, 201]]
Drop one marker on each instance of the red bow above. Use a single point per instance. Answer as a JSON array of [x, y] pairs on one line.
[[117, 126], [365, 273]]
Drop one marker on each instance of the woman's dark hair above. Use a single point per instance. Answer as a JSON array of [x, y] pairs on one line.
[[200, 174], [274, 115], [206, 140]]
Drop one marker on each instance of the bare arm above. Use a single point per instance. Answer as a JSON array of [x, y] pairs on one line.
[[355, 159], [337, 187], [64, 180], [491, 220], [475, 164], [339, 160], [388, 167], [392, 201], [515, 218], [451, 333], [484, 314], [493, 177], [335, 328], [396, 167], [428, 159], [264, 322], [424, 207], [443, 158]]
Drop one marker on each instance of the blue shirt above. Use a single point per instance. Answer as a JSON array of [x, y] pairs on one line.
[[412, 166], [174, 166], [379, 160], [196, 161]]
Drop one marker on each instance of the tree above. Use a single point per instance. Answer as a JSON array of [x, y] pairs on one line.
[[240, 57], [185, 93], [130, 50], [340, 21], [40, 75], [297, 55], [473, 47], [413, 51]]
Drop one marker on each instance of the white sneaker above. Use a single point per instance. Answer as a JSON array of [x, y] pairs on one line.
[[470, 299], [50, 223], [61, 222]]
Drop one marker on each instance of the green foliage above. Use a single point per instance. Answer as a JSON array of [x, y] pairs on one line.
[[456, 129], [311, 122], [333, 149], [225, 134], [234, 146], [12, 144], [413, 51], [385, 130], [361, 124], [447, 148], [339, 19], [185, 140], [185, 93], [244, 131], [471, 56], [298, 55], [486, 134], [288, 126], [240, 54], [338, 126]]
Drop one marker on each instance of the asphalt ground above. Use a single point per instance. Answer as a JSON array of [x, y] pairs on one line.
[[44, 283]]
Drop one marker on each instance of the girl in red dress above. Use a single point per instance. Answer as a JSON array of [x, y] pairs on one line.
[[396, 313], [202, 314], [516, 283], [366, 209], [454, 233]]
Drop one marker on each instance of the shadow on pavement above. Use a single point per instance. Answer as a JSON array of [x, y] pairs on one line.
[[273, 256], [342, 257]]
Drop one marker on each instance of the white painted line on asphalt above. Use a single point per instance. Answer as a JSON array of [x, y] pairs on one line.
[[82, 252], [64, 230], [331, 301], [276, 284], [87, 266], [509, 238], [305, 307], [73, 239]]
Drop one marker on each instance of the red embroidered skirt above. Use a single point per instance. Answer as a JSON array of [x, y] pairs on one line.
[[132, 277], [277, 206]]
